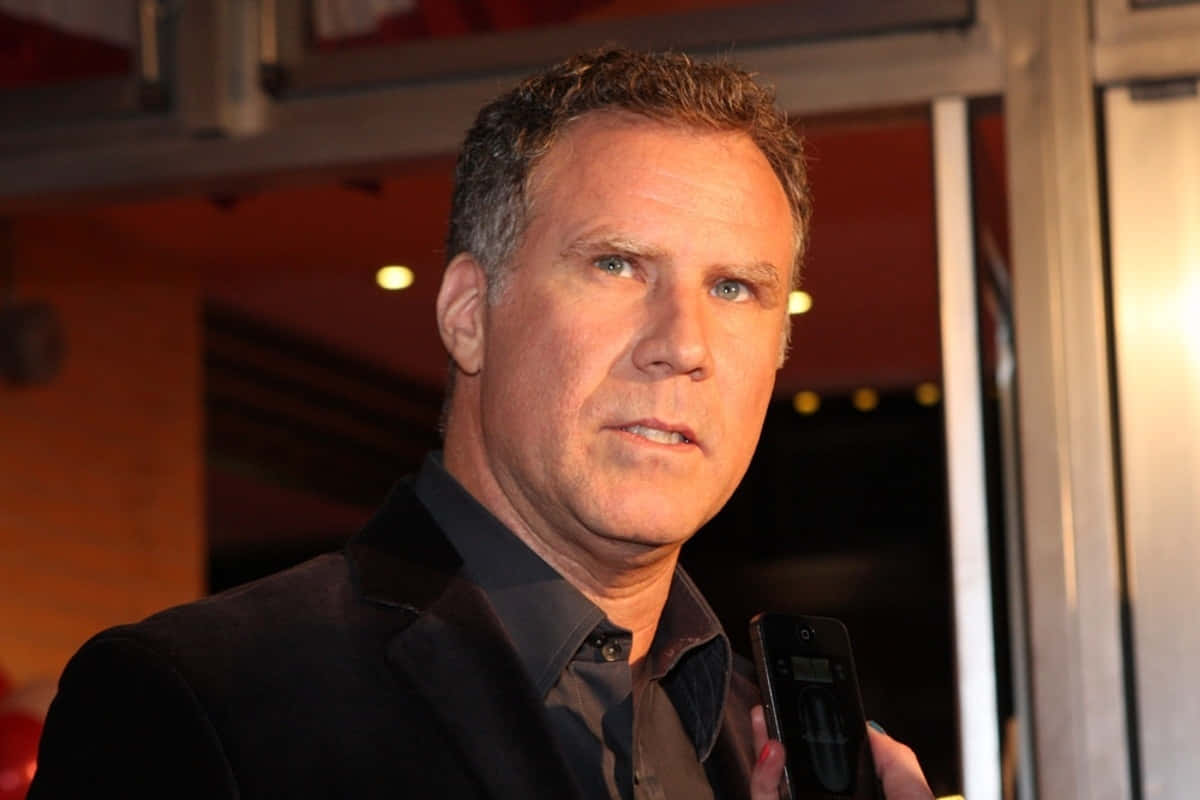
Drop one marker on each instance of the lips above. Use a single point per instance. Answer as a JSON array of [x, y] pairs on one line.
[[660, 432]]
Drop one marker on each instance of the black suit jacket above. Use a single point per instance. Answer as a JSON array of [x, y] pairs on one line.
[[377, 672]]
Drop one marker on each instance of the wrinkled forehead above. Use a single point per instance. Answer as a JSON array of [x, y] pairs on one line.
[[556, 162]]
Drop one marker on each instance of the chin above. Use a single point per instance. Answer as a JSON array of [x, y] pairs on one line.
[[649, 509], [647, 527]]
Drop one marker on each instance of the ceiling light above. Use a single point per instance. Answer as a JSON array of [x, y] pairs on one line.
[[928, 394], [806, 402], [394, 278], [865, 399], [799, 302]]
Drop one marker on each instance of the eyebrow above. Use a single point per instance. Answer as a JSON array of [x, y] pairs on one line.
[[762, 273], [611, 243]]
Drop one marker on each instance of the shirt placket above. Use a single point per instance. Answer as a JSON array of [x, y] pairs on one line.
[[646, 782], [602, 666]]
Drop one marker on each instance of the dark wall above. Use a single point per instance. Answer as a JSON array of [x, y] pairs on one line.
[[843, 514]]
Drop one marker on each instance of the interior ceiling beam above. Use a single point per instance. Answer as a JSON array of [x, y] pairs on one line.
[[350, 131]]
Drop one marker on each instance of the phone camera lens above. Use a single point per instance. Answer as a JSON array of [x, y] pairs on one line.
[[807, 634]]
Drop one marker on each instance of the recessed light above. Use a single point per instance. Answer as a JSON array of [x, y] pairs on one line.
[[865, 399], [394, 277], [928, 394], [806, 402], [799, 302]]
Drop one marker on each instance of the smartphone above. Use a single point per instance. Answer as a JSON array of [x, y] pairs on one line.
[[812, 704]]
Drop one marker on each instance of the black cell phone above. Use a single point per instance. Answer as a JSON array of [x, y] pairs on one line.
[[813, 705]]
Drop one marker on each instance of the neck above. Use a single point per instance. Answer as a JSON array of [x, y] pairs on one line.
[[626, 580], [631, 592]]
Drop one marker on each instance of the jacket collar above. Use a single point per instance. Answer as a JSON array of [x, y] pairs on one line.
[[455, 653], [401, 558]]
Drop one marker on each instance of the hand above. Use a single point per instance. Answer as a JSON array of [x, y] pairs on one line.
[[895, 763], [768, 770], [897, 767]]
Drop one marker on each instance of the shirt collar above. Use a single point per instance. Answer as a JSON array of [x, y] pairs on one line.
[[548, 619], [692, 658]]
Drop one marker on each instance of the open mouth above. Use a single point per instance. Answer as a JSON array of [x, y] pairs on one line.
[[657, 435]]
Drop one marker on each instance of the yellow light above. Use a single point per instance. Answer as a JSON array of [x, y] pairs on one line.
[[951, 797], [394, 278], [806, 402], [799, 302], [865, 399], [1189, 319], [928, 394]]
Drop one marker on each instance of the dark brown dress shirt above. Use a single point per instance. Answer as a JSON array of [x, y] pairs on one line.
[[620, 740]]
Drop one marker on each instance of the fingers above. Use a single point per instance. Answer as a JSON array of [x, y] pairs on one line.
[[898, 769], [896, 764], [758, 727], [768, 770]]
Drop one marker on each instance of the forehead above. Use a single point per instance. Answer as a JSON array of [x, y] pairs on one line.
[[622, 135], [603, 155]]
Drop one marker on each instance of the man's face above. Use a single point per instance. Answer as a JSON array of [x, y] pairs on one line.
[[628, 364]]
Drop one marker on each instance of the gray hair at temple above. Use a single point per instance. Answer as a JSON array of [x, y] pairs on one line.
[[490, 207]]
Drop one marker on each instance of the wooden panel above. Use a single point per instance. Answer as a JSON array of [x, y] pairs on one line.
[[101, 496]]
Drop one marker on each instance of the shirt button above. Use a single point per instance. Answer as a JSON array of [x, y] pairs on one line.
[[611, 650]]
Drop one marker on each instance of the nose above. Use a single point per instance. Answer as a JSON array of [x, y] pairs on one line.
[[674, 337]]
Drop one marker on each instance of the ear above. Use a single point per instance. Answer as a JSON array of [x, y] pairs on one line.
[[460, 312]]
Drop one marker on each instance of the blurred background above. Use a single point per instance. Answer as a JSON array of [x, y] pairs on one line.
[[221, 238]]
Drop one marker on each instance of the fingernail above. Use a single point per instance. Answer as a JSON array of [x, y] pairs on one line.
[[762, 754], [872, 723]]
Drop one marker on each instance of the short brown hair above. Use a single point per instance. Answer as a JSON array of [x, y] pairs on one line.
[[512, 133]]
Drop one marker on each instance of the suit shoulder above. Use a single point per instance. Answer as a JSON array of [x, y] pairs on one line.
[[309, 595], [307, 620], [119, 703]]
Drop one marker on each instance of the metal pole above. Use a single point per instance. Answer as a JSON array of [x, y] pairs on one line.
[[974, 632], [1065, 409]]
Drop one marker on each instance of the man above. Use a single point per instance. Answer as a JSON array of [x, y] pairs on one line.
[[513, 623]]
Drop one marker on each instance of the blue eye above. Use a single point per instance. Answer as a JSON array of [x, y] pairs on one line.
[[614, 265], [731, 290]]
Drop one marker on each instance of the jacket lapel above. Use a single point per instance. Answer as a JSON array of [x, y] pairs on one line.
[[456, 654]]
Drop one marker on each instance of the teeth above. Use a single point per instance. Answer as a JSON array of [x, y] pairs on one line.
[[655, 435]]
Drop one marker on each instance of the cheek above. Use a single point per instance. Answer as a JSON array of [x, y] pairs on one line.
[[749, 362], [746, 389], [546, 363]]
